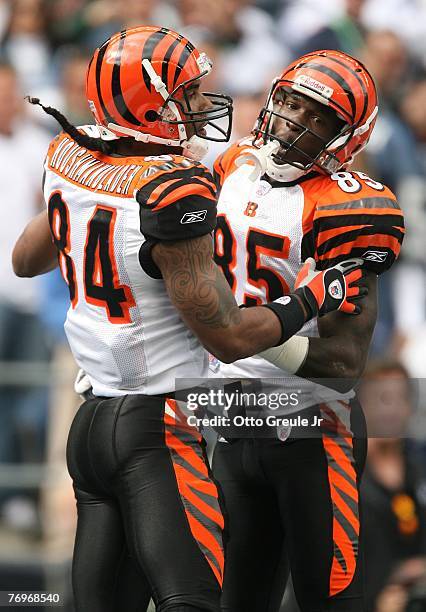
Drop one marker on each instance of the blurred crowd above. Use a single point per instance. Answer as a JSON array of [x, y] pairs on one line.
[[45, 46]]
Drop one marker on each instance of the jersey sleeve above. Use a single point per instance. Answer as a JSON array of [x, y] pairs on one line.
[[366, 222], [178, 204]]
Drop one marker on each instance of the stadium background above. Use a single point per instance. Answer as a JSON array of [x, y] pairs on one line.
[[44, 49]]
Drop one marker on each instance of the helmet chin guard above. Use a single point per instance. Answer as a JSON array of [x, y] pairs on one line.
[[195, 148], [283, 173]]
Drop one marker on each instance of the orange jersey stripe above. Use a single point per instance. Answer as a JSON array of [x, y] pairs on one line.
[[158, 190], [184, 192], [332, 233]]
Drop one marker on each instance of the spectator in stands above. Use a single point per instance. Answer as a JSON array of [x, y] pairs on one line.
[[392, 491], [26, 46], [390, 154], [407, 18], [410, 310], [73, 87], [301, 19], [344, 33], [22, 150], [250, 53], [102, 18]]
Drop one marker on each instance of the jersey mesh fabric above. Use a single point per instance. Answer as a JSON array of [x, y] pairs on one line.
[[300, 214], [153, 347]]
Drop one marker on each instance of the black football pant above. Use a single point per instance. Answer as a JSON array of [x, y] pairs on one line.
[[294, 504], [149, 522]]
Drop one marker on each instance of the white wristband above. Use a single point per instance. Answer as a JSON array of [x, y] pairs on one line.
[[289, 356]]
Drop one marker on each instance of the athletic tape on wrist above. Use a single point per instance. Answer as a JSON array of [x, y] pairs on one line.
[[289, 356]]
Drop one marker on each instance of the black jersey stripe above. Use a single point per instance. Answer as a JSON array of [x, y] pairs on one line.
[[117, 93], [323, 224], [351, 237], [369, 265], [376, 266], [308, 245]]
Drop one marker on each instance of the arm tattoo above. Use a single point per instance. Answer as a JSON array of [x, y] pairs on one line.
[[197, 287]]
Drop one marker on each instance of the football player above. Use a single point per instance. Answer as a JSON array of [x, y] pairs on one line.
[[290, 495], [130, 211]]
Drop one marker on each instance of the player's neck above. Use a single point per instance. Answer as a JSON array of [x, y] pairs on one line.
[[131, 148]]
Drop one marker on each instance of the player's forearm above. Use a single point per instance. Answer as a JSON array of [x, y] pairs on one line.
[[34, 252], [201, 294], [339, 361], [340, 353], [242, 333]]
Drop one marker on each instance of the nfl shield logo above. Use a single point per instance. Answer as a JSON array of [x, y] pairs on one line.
[[251, 209], [335, 290]]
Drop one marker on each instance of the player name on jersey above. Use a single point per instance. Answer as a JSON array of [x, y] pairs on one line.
[[86, 169]]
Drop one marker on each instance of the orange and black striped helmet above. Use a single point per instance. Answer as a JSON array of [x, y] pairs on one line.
[[136, 86], [341, 83]]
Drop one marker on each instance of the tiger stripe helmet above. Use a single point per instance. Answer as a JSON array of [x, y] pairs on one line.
[[136, 86], [341, 83]]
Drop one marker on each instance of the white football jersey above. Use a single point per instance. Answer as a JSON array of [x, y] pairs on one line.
[[105, 214], [265, 231]]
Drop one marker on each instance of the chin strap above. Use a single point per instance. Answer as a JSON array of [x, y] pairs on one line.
[[195, 148], [258, 158], [262, 161], [283, 173]]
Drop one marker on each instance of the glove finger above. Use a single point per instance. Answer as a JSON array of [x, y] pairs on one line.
[[353, 276], [349, 308], [358, 291]]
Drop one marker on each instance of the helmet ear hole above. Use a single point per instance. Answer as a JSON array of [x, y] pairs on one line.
[[151, 116]]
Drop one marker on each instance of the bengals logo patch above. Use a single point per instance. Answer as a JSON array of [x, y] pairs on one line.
[[251, 209]]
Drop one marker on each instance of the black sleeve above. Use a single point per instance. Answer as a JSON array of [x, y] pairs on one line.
[[178, 205]]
